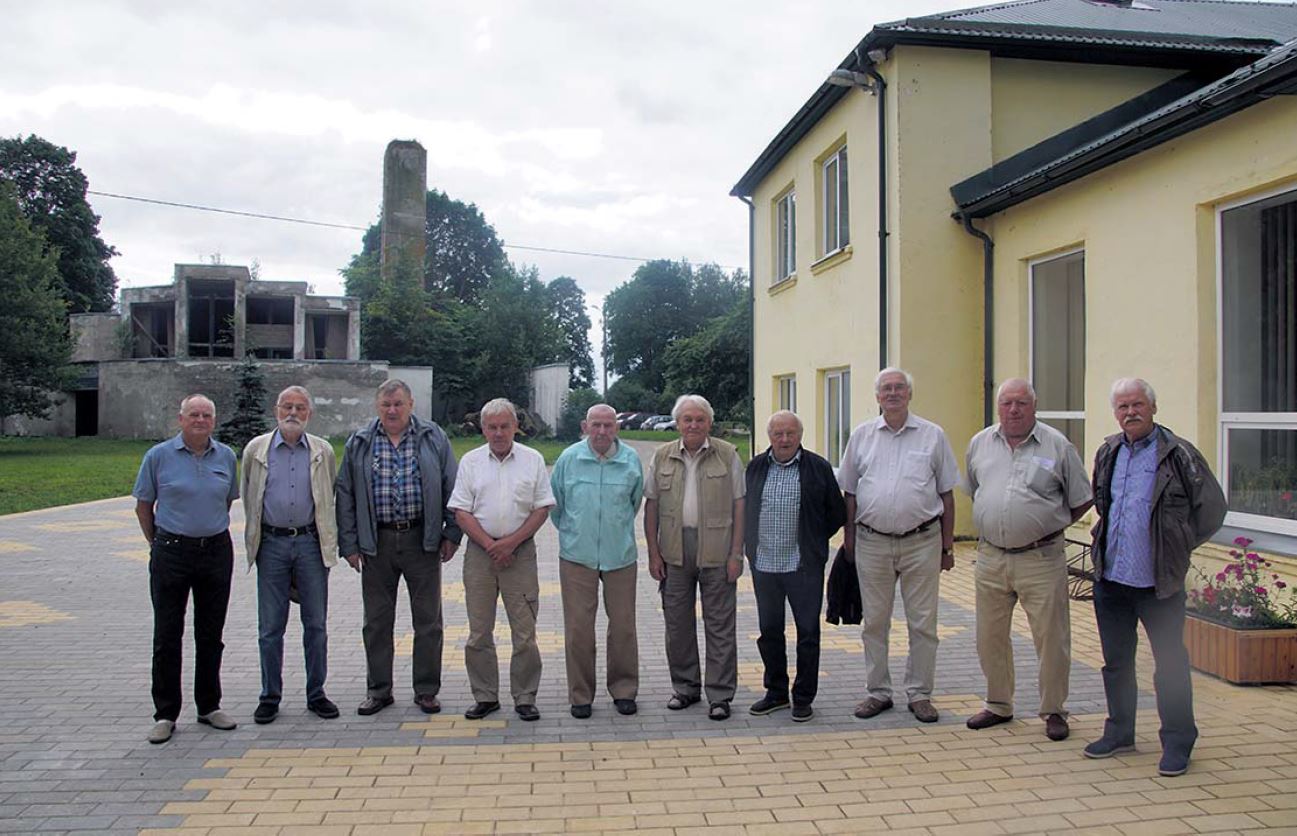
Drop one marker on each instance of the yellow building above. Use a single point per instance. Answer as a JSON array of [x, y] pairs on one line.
[[1066, 190]]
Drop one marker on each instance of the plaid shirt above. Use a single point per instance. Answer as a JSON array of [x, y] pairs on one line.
[[398, 487], [781, 501]]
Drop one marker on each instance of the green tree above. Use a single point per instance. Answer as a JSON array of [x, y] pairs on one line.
[[249, 418], [628, 394], [714, 363], [567, 306], [34, 343], [51, 192], [574, 409], [643, 316]]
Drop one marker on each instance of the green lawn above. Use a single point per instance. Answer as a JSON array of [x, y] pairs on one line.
[[46, 472], [43, 472], [742, 442]]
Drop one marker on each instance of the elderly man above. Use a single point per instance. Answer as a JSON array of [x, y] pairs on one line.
[[597, 486], [501, 499], [899, 474], [182, 498], [1028, 485], [396, 479], [292, 538], [797, 507], [693, 522], [1157, 501]]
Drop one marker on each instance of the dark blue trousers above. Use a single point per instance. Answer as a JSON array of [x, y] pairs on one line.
[[804, 592]]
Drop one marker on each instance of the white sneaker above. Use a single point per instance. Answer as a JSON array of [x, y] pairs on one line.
[[161, 731], [218, 719]]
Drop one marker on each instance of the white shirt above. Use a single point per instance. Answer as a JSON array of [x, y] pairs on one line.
[[898, 477], [501, 493]]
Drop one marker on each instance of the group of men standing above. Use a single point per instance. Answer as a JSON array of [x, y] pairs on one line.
[[400, 506]]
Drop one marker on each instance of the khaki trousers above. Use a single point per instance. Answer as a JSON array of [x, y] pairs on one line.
[[1038, 580], [519, 588], [915, 562], [580, 588], [719, 598]]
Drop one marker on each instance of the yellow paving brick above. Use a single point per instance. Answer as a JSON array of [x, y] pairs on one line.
[[1093, 818], [1277, 818], [596, 824], [1157, 827], [263, 806], [740, 817], [304, 793], [861, 824], [374, 817], [950, 802], [190, 808], [985, 828], [909, 820], [991, 812], [1228, 821], [1237, 804], [220, 820], [1035, 824], [284, 819]]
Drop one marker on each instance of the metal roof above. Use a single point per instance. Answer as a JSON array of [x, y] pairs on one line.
[[1216, 36], [992, 191]]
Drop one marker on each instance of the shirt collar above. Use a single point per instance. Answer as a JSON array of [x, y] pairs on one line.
[[794, 460], [707, 442], [910, 422], [178, 443], [493, 457], [1143, 442], [998, 431], [612, 451], [277, 439]]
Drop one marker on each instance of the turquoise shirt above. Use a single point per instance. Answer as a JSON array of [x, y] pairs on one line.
[[596, 504]]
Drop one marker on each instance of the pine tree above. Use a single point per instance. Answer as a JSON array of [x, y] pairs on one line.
[[249, 418]]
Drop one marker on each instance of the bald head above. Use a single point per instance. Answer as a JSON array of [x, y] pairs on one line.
[[600, 428]]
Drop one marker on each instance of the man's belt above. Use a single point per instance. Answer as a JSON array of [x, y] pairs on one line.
[[171, 538], [401, 525], [916, 530], [302, 531], [1043, 541]]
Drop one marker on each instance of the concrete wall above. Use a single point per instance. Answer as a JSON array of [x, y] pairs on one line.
[[61, 421], [94, 336], [140, 398], [549, 388], [419, 379]]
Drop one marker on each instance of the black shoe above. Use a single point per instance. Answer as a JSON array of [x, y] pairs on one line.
[[428, 703], [1106, 747], [802, 713], [767, 705], [680, 701], [480, 709], [323, 708], [527, 712], [719, 711], [373, 705], [266, 713], [626, 706], [580, 712]]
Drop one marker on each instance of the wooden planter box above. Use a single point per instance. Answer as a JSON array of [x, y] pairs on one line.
[[1241, 656]]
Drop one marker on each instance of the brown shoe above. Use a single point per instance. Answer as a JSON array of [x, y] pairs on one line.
[[427, 703], [1056, 727], [872, 707], [924, 712], [984, 719]]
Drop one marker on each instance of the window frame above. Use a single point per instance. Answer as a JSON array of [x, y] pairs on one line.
[[791, 381], [842, 375], [837, 230], [785, 240], [1227, 421], [1032, 264]]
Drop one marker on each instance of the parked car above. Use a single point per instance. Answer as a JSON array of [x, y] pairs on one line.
[[630, 420], [653, 420], [666, 425]]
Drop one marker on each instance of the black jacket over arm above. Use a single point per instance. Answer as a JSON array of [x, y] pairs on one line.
[[823, 510]]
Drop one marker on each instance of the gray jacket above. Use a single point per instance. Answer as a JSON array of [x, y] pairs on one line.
[[357, 527], [1188, 507]]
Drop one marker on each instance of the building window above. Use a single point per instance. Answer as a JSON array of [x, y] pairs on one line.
[[836, 229], [785, 237], [787, 392], [837, 414], [1258, 344], [1057, 291]]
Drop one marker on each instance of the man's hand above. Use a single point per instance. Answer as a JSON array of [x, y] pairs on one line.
[[657, 568], [501, 552], [947, 560], [356, 561], [733, 568], [447, 550]]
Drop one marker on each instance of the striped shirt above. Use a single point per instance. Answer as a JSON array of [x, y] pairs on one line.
[[1129, 558], [781, 501], [398, 486]]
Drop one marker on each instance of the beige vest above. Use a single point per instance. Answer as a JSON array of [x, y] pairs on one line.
[[715, 502]]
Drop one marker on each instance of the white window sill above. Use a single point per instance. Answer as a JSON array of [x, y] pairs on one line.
[[786, 283], [832, 259]]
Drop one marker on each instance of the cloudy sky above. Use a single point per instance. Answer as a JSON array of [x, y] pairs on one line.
[[590, 126]]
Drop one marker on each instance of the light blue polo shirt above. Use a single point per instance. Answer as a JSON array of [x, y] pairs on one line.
[[596, 500], [192, 493]]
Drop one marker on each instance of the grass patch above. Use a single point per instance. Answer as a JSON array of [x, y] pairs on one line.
[[742, 442], [44, 472]]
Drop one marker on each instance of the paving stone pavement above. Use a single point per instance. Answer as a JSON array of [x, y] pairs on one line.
[[75, 626]]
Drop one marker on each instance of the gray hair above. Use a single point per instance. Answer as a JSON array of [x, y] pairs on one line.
[[390, 386], [1020, 381], [498, 406], [194, 397], [878, 378], [785, 413], [599, 406], [692, 400], [1122, 384], [296, 390]]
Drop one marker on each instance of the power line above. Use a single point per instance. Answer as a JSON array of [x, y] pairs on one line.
[[307, 222]]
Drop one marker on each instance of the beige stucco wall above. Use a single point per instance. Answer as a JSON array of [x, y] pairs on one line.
[[1033, 100]]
